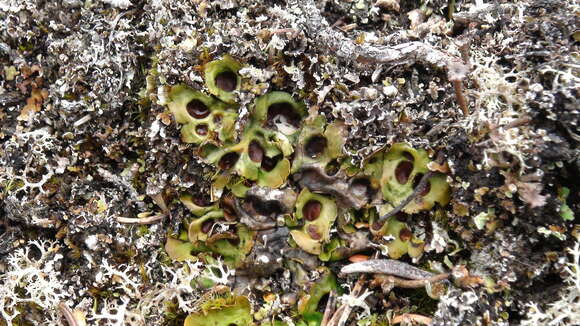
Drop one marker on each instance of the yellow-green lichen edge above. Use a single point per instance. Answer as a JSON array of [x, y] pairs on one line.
[[197, 210], [402, 170], [196, 230], [319, 143], [179, 250], [279, 111], [203, 118], [200, 233], [229, 311], [255, 158], [222, 78], [318, 213], [233, 254], [398, 237]]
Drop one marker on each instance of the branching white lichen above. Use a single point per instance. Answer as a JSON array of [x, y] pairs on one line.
[[139, 303], [38, 277], [178, 288], [40, 143], [218, 272], [120, 275], [499, 105], [352, 301]]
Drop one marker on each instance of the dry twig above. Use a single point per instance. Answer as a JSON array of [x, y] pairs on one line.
[[408, 284], [145, 220], [345, 48], [329, 310]]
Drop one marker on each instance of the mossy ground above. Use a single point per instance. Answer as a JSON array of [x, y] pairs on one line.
[[85, 141]]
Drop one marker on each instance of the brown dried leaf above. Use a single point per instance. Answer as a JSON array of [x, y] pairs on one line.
[[165, 118], [33, 103], [530, 193], [436, 167]]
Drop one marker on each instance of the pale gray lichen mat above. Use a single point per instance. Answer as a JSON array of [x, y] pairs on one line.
[[280, 163]]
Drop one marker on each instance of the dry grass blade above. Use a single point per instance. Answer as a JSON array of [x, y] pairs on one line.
[[68, 314], [342, 313], [329, 310]]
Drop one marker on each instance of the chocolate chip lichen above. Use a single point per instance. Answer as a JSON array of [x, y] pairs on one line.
[[285, 162], [222, 78], [204, 118], [403, 169], [279, 132]]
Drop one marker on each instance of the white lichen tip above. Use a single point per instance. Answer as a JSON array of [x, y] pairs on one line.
[[38, 277], [122, 4]]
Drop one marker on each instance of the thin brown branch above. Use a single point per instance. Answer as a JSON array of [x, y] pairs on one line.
[[348, 27], [518, 122], [145, 220], [408, 284], [458, 87], [336, 316]]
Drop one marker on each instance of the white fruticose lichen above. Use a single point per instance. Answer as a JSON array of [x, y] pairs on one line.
[[499, 104], [113, 312], [439, 240], [220, 276], [175, 288], [178, 288], [122, 4], [355, 301], [566, 310], [38, 277], [40, 143], [120, 275]]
